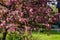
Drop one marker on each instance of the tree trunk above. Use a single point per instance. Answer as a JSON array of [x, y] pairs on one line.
[[4, 35]]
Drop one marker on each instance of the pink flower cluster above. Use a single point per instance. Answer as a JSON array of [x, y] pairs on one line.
[[25, 13]]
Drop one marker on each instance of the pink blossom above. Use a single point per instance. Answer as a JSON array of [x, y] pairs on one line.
[[11, 30], [3, 24], [23, 20], [13, 0], [8, 2], [27, 27], [35, 29], [31, 10], [50, 19], [48, 26]]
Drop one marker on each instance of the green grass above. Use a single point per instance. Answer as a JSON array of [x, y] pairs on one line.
[[37, 36], [54, 35], [43, 36]]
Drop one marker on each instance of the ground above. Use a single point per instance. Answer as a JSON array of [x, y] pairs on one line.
[[46, 37], [43, 36], [54, 35]]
